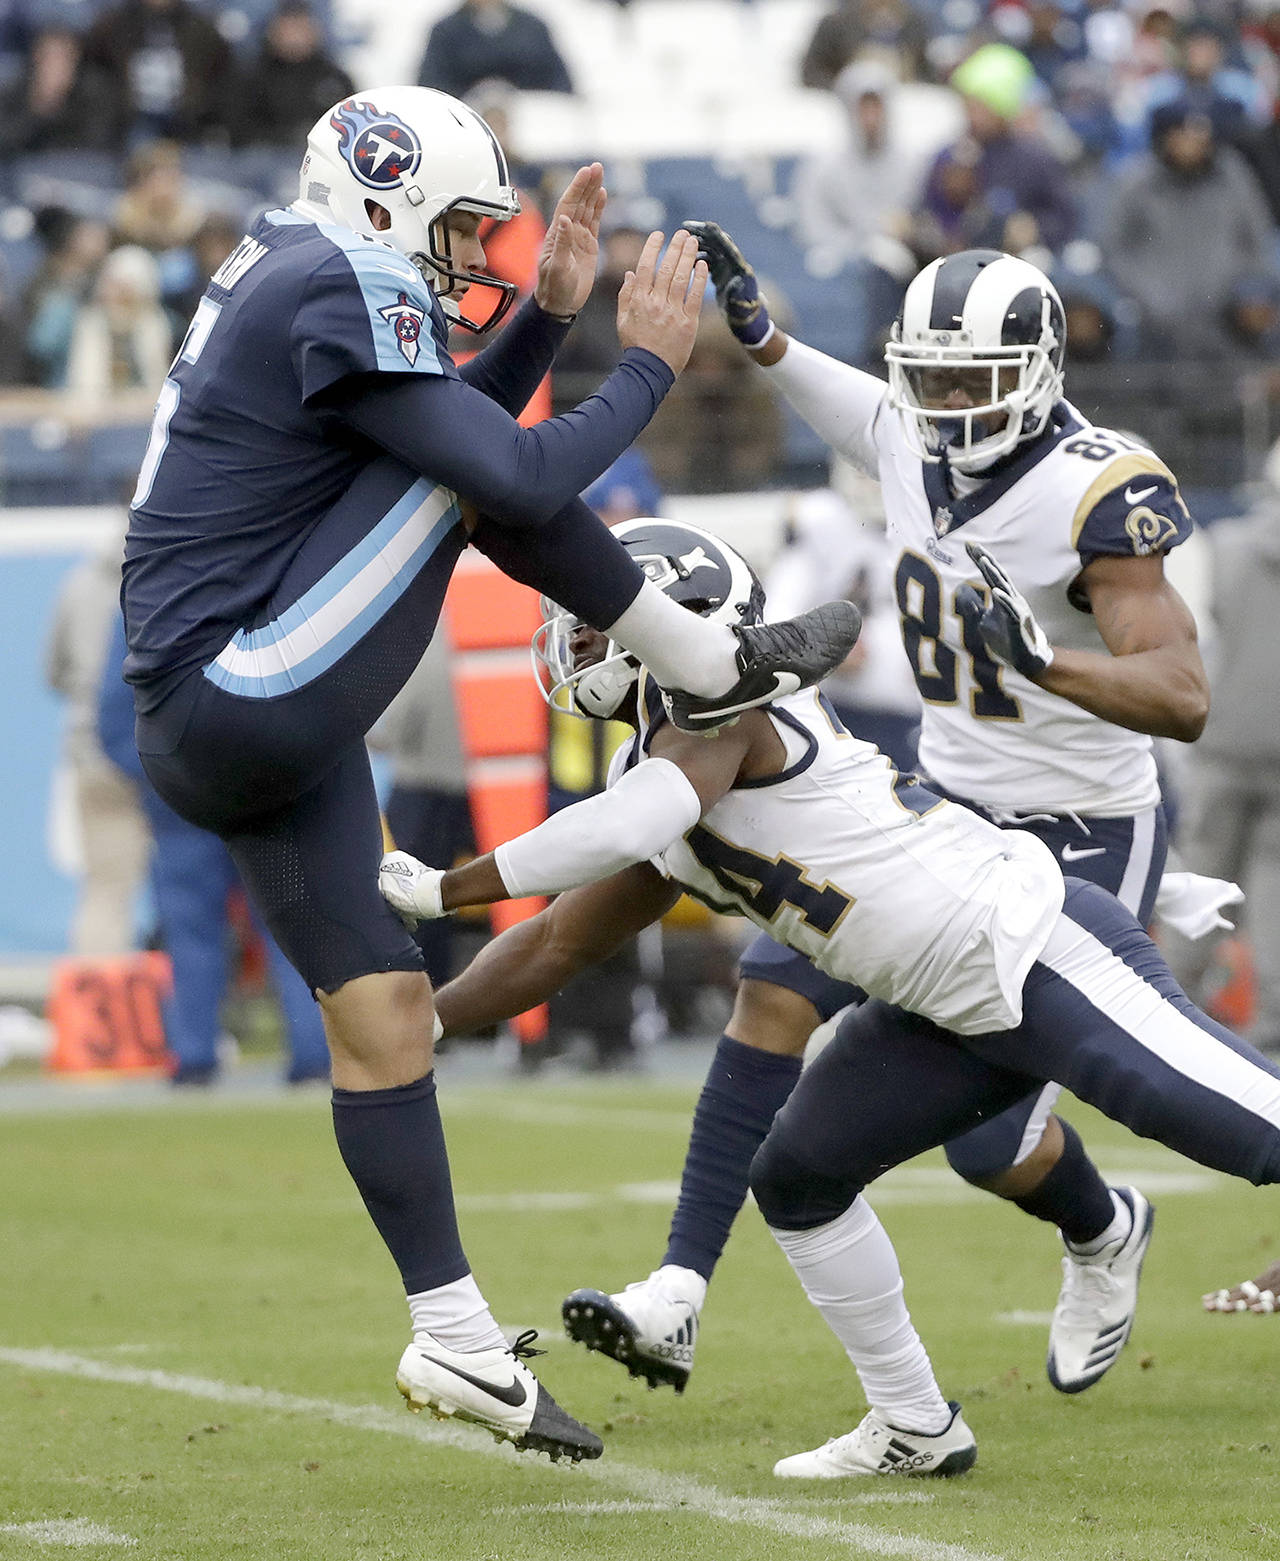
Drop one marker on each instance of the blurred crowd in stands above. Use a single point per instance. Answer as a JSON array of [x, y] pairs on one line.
[[1130, 147]]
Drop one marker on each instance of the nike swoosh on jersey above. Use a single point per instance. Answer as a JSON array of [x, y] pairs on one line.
[[1074, 853], [514, 1393], [1130, 497]]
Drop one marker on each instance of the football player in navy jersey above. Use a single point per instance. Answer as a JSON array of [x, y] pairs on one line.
[[316, 465], [986, 975], [1039, 703]]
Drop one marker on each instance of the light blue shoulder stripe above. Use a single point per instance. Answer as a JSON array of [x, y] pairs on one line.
[[382, 274]]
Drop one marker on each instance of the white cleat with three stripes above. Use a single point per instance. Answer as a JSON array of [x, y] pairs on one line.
[[876, 1447], [651, 1327], [1096, 1305]]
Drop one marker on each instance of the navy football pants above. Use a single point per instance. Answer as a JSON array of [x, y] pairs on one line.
[[265, 745], [1101, 1014], [1124, 855]]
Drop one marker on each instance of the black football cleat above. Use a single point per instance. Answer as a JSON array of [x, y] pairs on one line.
[[775, 659]]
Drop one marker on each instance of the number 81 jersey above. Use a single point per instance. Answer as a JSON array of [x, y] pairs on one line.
[[989, 733]]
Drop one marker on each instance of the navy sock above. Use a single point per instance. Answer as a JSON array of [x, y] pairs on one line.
[[1073, 1196], [744, 1091], [392, 1142]]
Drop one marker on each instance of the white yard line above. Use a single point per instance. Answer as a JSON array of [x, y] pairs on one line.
[[652, 1489], [925, 1184], [67, 1533]]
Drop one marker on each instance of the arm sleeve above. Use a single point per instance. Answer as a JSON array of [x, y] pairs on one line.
[[841, 404], [647, 810], [515, 363], [457, 436]]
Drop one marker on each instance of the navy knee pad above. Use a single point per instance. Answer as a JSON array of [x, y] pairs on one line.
[[992, 1147], [791, 1196]]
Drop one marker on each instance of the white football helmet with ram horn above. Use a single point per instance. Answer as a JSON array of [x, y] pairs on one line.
[[689, 565], [975, 357]]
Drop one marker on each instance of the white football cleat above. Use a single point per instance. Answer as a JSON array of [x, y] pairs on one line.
[[876, 1447], [647, 1327], [1096, 1305], [495, 1389]]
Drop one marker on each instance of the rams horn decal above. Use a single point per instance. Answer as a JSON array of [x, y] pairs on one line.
[[1149, 532]]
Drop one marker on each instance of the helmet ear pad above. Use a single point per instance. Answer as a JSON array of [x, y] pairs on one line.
[[601, 690]]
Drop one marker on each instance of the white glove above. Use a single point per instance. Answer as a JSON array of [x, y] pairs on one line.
[[1193, 905], [411, 888], [1008, 627]]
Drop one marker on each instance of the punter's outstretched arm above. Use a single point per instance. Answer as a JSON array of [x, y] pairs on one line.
[[531, 961]]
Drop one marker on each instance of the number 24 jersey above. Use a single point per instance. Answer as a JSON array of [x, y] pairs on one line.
[[880, 883]]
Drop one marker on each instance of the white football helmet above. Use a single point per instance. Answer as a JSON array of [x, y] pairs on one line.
[[989, 325], [689, 565], [418, 154]]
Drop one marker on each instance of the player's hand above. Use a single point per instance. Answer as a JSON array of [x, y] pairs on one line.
[[737, 291], [1006, 625], [567, 264], [659, 301], [411, 888]]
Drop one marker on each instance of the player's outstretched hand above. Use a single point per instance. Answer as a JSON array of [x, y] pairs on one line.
[[1006, 626], [567, 264], [659, 301], [737, 290], [1250, 1295], [411, 888]]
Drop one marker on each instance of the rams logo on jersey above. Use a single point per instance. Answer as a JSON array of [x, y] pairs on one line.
[[1150, 532], [380, 149], [405, 319]]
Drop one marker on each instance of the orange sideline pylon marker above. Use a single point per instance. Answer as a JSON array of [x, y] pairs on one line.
[[107, 1014]]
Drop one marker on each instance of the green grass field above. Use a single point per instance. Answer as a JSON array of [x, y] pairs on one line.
[[199, 1331]]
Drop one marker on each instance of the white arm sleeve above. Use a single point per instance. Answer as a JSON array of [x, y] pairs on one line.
[[840, 403], [649, 808]]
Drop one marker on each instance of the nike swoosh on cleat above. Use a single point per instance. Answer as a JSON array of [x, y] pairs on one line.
[[1074, 853], [514, 1394], [1130, 497]]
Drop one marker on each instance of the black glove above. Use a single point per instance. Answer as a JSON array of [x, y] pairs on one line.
[[1006, 625], [737, 291]]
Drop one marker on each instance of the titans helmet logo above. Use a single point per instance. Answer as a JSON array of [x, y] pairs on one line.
[[380, 149]]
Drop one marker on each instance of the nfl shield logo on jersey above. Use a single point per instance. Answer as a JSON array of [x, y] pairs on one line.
[[941, 521], [380, 149], [405, 319]]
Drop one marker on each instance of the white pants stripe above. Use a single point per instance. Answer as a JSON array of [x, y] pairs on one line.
[[1133, 1005]]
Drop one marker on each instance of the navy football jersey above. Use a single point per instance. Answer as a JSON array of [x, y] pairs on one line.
[[242, 462]]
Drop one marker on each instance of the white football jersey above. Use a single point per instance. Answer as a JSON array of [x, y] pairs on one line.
[[988, 733], [877, 881]]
